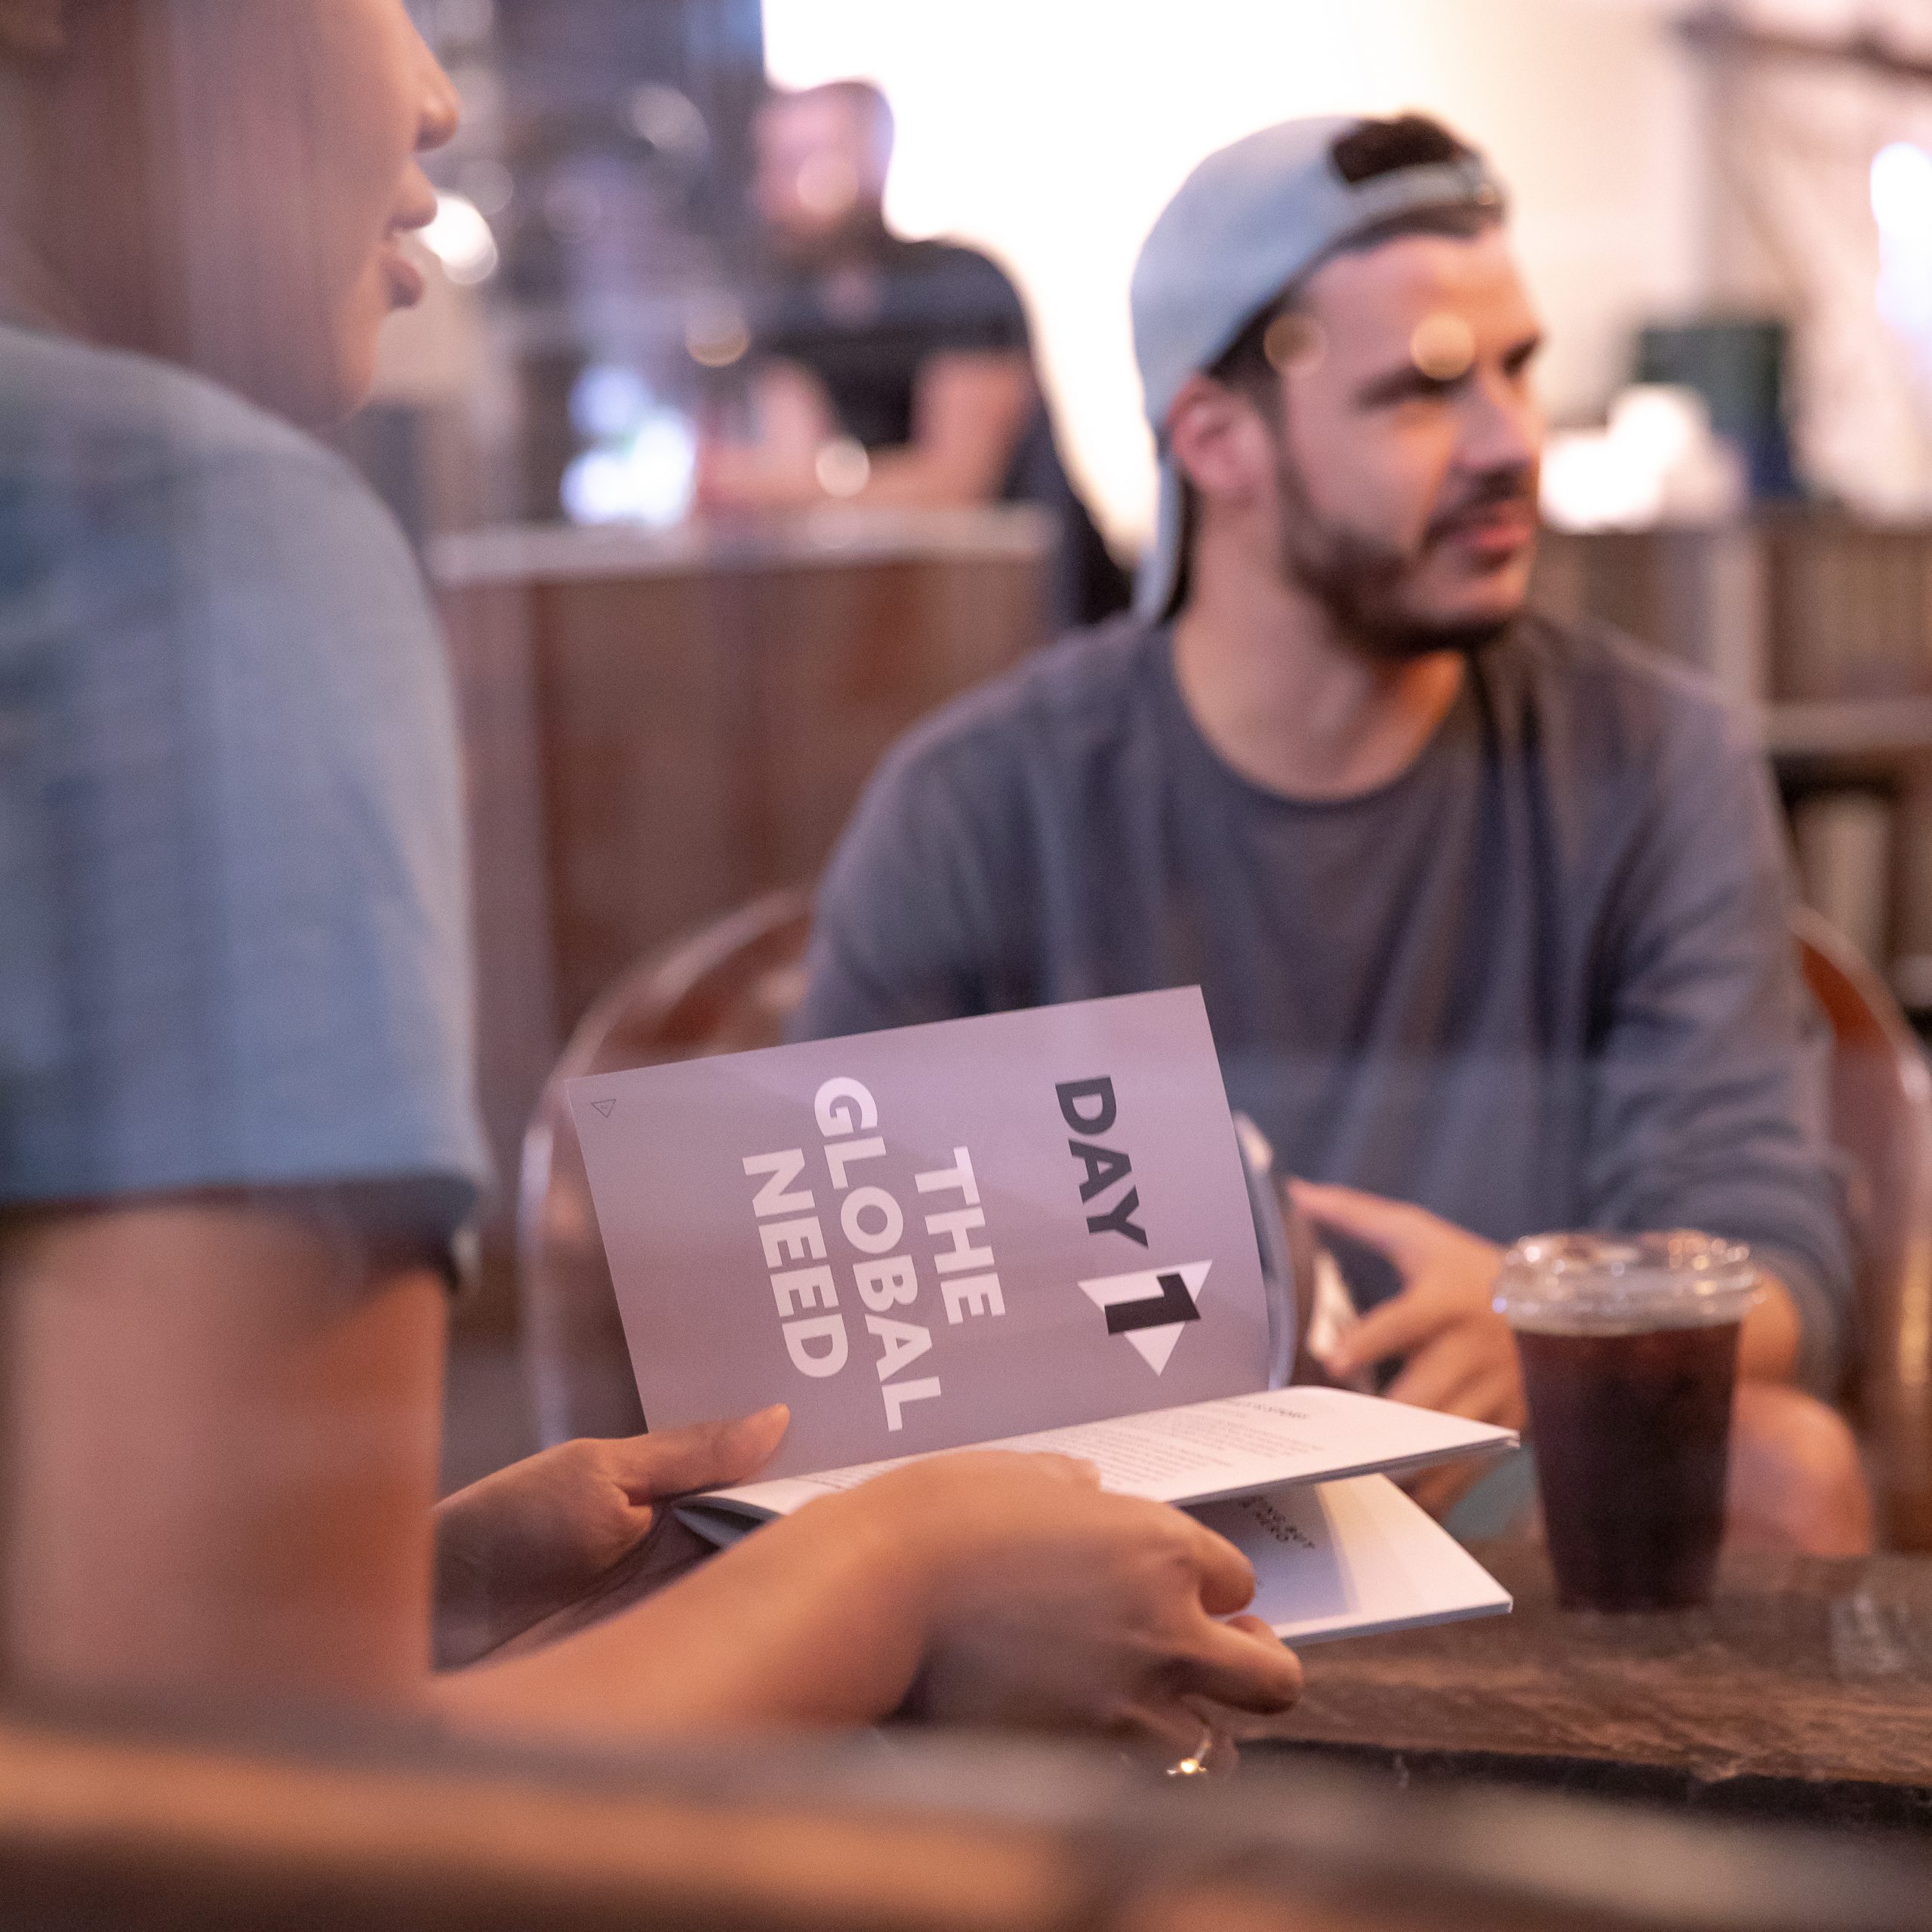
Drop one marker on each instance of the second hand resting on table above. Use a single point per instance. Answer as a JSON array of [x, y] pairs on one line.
[[1457, 1352], [977, 1587]]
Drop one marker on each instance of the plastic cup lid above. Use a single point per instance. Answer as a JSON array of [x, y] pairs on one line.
[[1607, 1284]]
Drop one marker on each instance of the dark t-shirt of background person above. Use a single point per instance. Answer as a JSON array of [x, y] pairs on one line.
[[1543, 978], [866, 339]]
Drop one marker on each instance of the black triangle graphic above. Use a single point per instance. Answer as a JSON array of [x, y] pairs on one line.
[[604, 1107]]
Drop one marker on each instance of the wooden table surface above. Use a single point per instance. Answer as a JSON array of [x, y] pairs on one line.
[[1804, 1690]]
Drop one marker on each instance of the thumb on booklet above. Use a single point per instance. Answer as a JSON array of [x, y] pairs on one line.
[[707, 1455]]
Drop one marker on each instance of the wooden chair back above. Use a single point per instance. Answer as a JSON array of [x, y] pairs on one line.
[[726, 989], [1881, 1102]]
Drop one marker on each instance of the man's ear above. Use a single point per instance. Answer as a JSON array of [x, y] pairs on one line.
[[33, 26], [1217, 439]]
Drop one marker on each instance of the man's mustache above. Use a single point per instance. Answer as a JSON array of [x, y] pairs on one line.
[[1513, 489]]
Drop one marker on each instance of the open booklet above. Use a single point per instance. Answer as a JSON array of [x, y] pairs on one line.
[[1284, 1474], [1027, 1230]]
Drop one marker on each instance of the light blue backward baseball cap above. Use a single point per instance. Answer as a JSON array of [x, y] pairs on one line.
[[1250, 220]]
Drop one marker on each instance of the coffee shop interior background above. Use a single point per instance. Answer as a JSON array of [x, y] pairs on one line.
[[668, 709], [1725, 214]]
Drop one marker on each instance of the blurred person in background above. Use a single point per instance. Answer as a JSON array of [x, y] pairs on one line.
[[1491, 914], [885, 370], [238, 1146]]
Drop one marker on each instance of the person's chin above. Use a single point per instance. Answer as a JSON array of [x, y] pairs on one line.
[[313, 387], [1464, 628], [321, 397], [1475, 610], [1492, 586], [343, 377], [355, 378]]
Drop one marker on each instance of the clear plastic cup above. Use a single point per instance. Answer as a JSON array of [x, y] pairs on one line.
[[1629, 1353]]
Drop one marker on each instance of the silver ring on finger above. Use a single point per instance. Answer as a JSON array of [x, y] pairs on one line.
[[1195, 1763]]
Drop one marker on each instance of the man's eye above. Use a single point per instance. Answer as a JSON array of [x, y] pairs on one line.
[[1405, 389]]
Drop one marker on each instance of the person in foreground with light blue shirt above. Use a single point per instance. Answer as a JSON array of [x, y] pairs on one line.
[[237, 1137]]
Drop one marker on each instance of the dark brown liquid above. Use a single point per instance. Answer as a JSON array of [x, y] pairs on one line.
[[1633, 1436]]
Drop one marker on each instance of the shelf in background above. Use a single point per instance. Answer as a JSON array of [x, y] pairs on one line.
[[1875, 735]]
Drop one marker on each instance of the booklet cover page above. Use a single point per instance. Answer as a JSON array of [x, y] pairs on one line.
[[933, 1236]]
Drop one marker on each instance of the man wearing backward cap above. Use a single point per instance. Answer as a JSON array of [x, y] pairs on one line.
[[1489, 913]]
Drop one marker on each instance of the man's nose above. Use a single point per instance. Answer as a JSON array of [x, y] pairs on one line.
[[1503, 428]]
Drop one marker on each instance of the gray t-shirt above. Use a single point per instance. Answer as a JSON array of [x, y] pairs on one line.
[[234, 948], [1544, 979]]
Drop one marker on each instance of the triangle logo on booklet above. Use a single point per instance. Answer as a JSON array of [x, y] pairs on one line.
[[1151, 1306]]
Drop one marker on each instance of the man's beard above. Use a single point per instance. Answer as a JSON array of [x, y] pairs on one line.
[[1360, 581]]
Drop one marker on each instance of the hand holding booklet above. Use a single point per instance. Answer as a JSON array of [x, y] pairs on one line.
[[1027, 1231]]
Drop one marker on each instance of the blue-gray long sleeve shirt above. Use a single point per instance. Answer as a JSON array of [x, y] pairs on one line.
[[1544, 979]]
